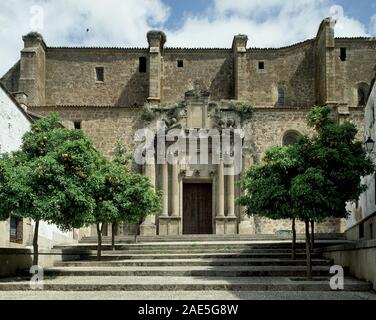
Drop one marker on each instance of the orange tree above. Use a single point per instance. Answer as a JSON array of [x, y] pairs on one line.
[[121, 196], [47, 180], [312, 179]]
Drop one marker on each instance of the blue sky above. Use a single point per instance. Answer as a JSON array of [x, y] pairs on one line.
[[362, 10], [187, 23]]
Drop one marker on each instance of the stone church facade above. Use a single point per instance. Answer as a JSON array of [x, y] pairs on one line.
[[110, 93]]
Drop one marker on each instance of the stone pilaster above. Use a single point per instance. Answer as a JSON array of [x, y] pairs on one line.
[[220, 190], [148, 227], [156, 40], [170, 224], [325, 57], [223, 224], [33, 69], [231, 191], [239, 47], [164, 185], [175, 190]]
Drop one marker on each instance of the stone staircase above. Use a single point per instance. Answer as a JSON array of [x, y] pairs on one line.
[[183, 265]]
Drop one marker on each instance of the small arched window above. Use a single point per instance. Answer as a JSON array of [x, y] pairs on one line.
[[361, 97], [362, 94], [290, 137], [281, 96]]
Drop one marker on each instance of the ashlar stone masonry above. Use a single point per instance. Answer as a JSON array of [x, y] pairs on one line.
[[198, 88]]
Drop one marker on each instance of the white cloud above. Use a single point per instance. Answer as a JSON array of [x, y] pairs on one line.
[[268, 23], [111, 23], [373, 25]]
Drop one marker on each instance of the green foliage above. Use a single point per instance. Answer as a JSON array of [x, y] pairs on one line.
[[48, 178], [319, 117], [244, 108], [171, 110], [313, 179], [147, 114], [267, 184], [123, 156], [122, 196]]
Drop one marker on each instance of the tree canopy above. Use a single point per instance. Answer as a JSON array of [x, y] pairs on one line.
[[313, 178], [48, 178]]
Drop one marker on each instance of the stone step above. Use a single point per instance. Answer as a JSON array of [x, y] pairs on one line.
[[193, 245], [228, 271], [174, 251], [175, 271], [147, 283], [114, 259], [205, 262], [213, 237]]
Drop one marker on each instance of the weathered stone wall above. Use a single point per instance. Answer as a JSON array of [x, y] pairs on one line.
[[290, 68], [213, 68], [269, 226], [320, 64], [267, 127], [104, 125], [33, 68], [356, 117], [358, 68], [71, 77], [11, 78]]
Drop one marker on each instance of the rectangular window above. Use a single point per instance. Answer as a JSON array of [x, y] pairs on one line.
[[361, 230], [142, 65], [261, 65], [370, 231], [180, 64], [343, 54], [16, 230], [77, 124], [99, 71]]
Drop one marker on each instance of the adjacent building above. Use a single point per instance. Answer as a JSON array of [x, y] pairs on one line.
[[361, 224], [14, 122]]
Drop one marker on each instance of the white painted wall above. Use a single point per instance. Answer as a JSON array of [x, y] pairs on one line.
[[13, 124], [367, 200]]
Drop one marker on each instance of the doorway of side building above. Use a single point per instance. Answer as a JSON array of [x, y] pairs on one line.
[[197, 208]]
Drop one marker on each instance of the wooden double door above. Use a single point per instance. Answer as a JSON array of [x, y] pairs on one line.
[[197, 208]]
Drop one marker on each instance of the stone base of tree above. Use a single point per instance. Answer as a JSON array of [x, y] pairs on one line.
[[246, 227], [169, 226], [148, 230], [226, 225]]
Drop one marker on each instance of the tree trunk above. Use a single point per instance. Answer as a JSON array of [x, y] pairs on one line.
[[312, 234], [99, 248], [293, 251], [114, 226], [35, 243], [138, 229], [308, 250]]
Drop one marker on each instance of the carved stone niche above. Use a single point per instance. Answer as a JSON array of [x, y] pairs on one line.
[[197, 107]]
